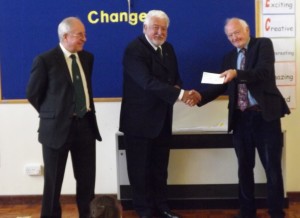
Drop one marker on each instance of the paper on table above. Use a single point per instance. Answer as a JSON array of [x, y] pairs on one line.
[[212, 78], [220, 127]]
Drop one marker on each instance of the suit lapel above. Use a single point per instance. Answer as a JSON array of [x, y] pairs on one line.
[[250, 53], [61, 61], [84, 63]]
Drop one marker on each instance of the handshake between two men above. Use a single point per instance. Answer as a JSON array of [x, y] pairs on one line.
[[191, 97]]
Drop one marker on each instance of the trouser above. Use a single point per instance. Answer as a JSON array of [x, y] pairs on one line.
[[252, 131], [81, 145]]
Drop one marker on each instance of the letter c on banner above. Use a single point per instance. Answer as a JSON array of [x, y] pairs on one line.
[[90, 19]]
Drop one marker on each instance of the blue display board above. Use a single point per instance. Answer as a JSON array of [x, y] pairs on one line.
[[196, 31]]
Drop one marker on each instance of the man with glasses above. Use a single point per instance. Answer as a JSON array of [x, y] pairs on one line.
[[255, 108], [60, 90]]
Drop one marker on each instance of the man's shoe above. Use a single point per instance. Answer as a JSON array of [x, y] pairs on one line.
[[168, 214]]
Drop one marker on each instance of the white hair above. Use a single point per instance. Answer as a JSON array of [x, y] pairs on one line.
[[241, 21], [156, 13], [65, 26]]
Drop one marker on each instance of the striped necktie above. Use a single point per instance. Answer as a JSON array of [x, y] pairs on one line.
[[243, 100]]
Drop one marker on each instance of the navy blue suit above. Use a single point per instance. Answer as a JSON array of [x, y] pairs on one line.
[[146, 120], [259, 128], [51, 92]]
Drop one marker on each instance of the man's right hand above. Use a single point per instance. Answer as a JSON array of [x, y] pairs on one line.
[[191, 97]]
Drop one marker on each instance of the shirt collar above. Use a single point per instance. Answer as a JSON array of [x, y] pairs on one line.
[[239, 49], [66, 52], [245, 47]]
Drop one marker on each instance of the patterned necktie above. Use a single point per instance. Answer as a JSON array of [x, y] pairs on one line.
[[80, 102], [159, 52], [243, 100]]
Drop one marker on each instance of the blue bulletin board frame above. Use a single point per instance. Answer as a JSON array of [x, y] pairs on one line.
[[196, 31]]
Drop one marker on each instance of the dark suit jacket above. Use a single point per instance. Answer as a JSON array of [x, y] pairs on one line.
[[148, 88], [259, 75], [50, 91]]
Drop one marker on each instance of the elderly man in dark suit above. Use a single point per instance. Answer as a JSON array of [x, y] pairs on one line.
[[254, 117], [64, 125], [151, 85]]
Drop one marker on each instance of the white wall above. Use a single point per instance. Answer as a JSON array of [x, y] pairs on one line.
[[19, 146]]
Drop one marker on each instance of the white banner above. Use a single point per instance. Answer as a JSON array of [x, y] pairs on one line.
[[289, 94], [285, 73], [278, 26], [284, 49], [278, 6]]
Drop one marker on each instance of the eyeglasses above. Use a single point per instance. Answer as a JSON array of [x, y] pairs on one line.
[[78, 35]]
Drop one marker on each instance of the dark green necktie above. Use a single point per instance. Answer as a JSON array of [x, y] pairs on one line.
[[80, 102]]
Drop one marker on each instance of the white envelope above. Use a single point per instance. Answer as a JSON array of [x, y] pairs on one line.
[[212, 78]]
